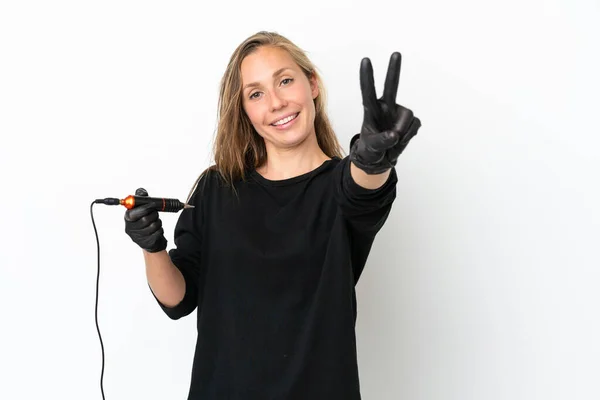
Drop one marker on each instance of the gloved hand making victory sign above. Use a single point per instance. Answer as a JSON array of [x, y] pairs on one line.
[[387, 127]]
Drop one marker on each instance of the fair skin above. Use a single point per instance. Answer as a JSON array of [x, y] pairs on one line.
[[274, 87]]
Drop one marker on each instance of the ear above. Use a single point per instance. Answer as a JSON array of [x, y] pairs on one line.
[[314, 86]]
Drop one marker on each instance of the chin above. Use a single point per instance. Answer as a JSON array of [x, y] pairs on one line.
[[287, 140]]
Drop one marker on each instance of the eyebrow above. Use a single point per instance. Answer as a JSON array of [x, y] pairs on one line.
[[254, 84]]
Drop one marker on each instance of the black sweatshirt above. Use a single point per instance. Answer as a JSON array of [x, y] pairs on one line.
[[272, 272]]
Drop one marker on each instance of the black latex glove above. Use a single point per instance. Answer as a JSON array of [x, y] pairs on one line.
[[144, 226], [387, 127]]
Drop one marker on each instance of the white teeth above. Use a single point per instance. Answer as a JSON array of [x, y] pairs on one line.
[[285, 120]]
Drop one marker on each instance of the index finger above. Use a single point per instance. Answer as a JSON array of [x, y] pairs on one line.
[[393, 77], [138, 212], [367, 84]]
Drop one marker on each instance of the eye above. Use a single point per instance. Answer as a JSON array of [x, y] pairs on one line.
[[287, 79], [252, 96]]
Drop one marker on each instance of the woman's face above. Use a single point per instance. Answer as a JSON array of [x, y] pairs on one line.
[[278, 97]]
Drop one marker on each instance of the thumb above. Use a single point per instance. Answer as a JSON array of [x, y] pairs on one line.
[[141, 192]]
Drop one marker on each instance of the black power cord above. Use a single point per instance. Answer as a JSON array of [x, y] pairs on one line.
[[161, 204], [96, 313]]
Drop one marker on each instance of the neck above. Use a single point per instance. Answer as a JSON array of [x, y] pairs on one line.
[[285, 163]]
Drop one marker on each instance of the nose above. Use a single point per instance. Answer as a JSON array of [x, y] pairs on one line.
[[277, 102]]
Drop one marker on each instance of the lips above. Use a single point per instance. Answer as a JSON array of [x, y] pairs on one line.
[[284, 117]]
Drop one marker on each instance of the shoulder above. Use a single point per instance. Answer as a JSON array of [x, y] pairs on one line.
[[203, 185], [212, 182], [339, 165]]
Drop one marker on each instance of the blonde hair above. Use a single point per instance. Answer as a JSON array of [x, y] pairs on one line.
[[238, 147]]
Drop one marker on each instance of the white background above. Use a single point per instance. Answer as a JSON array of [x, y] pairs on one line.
[[484, 282]]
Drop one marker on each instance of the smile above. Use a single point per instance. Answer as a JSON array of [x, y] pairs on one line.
[[285, 121]]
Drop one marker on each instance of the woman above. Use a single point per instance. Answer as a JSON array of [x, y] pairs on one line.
[[280, 232]]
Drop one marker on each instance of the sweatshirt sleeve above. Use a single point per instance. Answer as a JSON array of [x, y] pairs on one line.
[[365, 211], [187, 257]]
